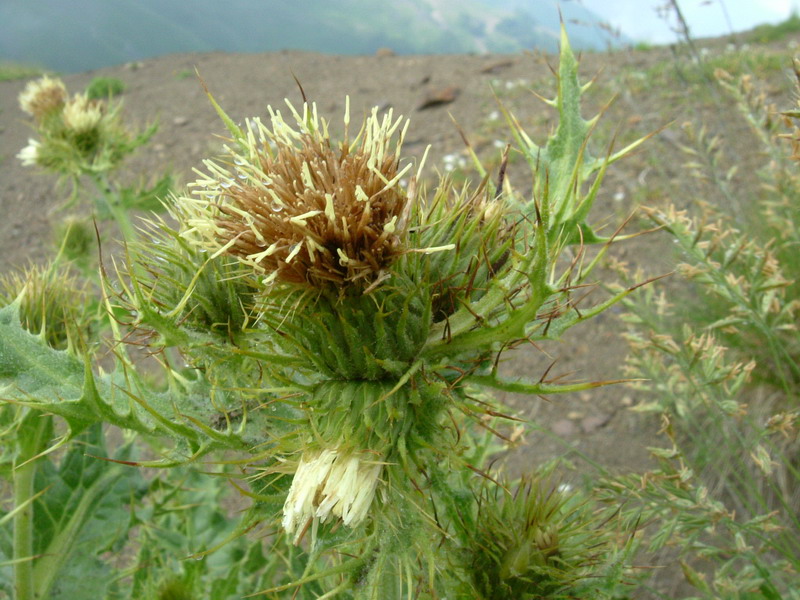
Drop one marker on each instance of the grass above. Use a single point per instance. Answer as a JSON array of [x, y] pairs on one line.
[[10, 71], [718, 361], [103, 88], [681, 75], [764, 34]]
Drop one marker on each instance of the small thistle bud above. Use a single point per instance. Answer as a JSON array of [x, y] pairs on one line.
[[301, 209], [43, 97], [331, 483], [52, 303], [30, 153], [82, 114], [536, 541]]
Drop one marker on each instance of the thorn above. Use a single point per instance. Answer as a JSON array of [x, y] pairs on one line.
[[502, 173], [500, 415], [547, 370], [651, 280], [455, 425], [487, 476], [496, 364], [300, 85], [114, 460]]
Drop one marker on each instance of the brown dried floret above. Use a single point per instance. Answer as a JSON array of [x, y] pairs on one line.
[[302, 209], [326, 215], [43, 97]]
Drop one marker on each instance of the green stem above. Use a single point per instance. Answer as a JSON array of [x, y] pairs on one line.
[[111, 201], [32, 437], [539, 387], [512, 328]]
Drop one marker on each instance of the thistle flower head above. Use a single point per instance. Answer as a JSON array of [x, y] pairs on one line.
[[42, 97], [331, 483], [300, 208], [82, 114]]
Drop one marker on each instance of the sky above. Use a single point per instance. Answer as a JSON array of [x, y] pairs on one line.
[[639, 20]]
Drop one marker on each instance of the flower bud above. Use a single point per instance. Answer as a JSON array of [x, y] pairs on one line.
[[52, 303]]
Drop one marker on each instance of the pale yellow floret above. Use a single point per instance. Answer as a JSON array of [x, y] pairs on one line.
[[295, 251], [330, 211], [330, 484], [81, 114], [343, 259], [29, 154], [391, 225], [361, 195], [300, 220]]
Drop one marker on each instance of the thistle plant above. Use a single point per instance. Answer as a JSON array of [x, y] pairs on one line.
[[83, 137], [79, 135], [51, 305], [316, 309]]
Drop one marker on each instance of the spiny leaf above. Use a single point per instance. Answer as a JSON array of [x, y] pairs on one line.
[[35, 375]]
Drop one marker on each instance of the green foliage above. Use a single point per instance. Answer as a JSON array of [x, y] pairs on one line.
[[767, 33], [37, 376], [104, 88], [179, 525], [11, 71], [78, 511]]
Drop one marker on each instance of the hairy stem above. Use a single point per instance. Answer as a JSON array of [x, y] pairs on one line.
[[111, 200], [32, 437]]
